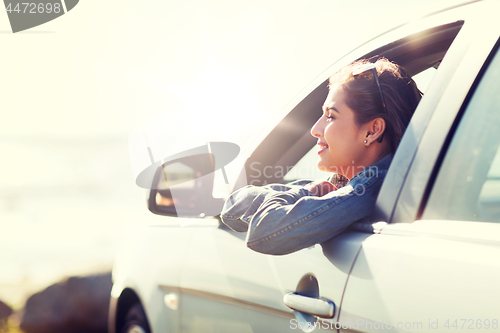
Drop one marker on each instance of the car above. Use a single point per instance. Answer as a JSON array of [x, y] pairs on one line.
[[427, 261]]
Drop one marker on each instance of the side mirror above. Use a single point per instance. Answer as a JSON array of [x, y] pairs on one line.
[[183, 188], [181, 185]]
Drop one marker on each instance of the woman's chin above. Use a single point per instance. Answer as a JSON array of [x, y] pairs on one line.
[[322, 166]]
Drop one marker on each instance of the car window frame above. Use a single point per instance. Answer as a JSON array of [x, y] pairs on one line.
[[443, 111], [453, 132]]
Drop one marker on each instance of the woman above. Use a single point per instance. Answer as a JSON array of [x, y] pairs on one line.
[[364, 117]]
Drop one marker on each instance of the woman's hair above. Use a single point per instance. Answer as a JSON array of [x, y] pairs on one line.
[[362, 95]]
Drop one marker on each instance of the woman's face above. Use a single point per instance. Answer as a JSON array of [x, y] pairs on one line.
[[341, 147]]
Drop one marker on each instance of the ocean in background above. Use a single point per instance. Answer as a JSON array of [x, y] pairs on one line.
[[64, 206]]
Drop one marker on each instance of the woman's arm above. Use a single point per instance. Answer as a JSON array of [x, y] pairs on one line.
[[243, 203], [284, 220]]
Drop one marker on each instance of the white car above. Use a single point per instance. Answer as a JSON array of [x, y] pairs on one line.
[[429, 262]]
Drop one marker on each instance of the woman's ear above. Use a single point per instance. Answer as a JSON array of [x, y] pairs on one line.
[[375, 130]]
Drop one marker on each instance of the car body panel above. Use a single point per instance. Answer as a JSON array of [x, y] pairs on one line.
[[227, 286], [222, 280], [151, 267], [441, 271]]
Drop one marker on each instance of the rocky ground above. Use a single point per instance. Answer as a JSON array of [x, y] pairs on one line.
[[74, 305]]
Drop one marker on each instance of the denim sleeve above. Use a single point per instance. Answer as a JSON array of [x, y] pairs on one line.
[[242, 204], [284, 220]]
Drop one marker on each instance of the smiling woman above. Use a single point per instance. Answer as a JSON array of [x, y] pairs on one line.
[[364, 117]]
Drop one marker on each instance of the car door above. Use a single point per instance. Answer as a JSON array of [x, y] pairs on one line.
[[435, 266]]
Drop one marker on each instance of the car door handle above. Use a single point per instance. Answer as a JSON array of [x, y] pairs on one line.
[[319, 307]]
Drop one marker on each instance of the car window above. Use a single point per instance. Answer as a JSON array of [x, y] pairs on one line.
[[306, 167], [467, 187]]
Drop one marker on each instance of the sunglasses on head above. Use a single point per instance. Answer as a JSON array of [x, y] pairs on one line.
[[370, 67]]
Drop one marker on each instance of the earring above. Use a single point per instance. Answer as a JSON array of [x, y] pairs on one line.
[[366, 141]]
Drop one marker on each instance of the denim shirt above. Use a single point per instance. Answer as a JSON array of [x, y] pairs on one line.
[[281, 219]]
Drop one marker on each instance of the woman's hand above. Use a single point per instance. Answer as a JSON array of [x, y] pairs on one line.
[[320, 188]]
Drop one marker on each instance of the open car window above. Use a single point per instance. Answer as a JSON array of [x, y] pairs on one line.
[[288, 152]]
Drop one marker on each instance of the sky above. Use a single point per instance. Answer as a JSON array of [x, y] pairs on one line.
[[74, 89]]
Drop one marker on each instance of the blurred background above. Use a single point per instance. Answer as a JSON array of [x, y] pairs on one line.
[[72, 90]]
